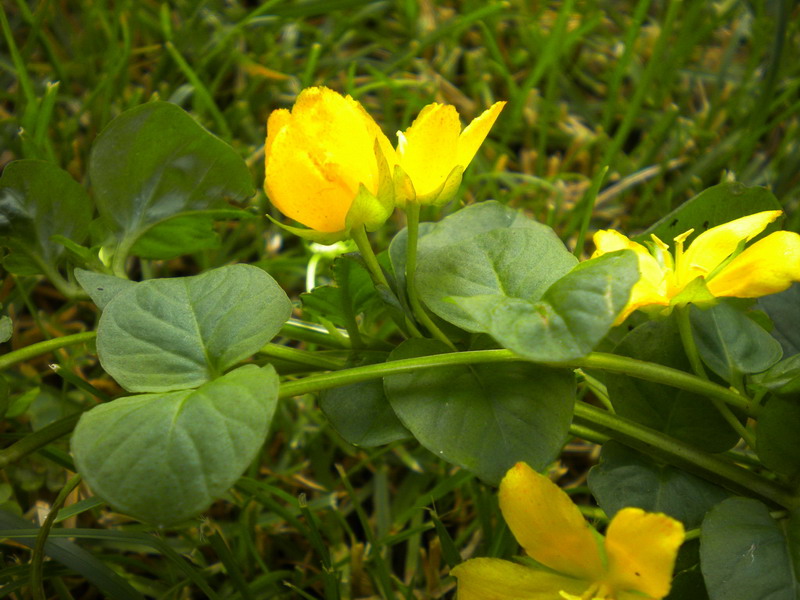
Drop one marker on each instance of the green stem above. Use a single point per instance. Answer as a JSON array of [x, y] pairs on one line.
[[666, 375], [683, 455], [365, 248], [359, 235], [303, 357], [314, 334], [34, 350], [37, 558], [690, 347], [38, 439], [412, 215], [596, 360]]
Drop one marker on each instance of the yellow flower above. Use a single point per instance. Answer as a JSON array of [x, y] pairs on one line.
[[327, 164], [713, 265], [633, 562], [433, 153]]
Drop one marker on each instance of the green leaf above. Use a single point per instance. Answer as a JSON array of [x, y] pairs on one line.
[[484, 250], [100, 287], [776, 441], [484, 418], [784, 310], [37, 201], [625, 477], [574, 314], [185, 234], [782, 378], [746, 554], [730, 343], [164, 458], [167, 334], [686, 416], [362, 415], [716, 205], [353, 294], [154, 162]]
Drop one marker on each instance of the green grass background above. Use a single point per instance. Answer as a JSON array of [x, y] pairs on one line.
[[672, 96]]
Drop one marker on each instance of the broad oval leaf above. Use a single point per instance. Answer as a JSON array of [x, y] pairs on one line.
[[746, 554], [37, 201], [784, 310], [776, 436], [714, 206], [730, 343], [487, 417], [491, 250], [154, 162], [686, 416], [625, 477], [101, 287], [164, 458], [574, 314], [168, 334]]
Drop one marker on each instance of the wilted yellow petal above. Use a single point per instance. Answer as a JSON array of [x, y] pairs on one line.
[[429, 148], [641, 549], [711, 247], [495, 579], [473, 135], [548, 525], [767, 267]]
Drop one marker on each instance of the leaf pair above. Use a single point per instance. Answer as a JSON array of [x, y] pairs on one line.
[[164, 455]]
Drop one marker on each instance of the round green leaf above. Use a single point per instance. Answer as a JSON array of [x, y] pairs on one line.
[[37, 201], [574, 314], [776, 436], [711, 207], [362, 415], [101, 287], [164, 458], [487, 251], [484, 418], [745, 554], [154, 162], [167, 334], [784, 310], [730, 343], [625, 477], [686, 416]]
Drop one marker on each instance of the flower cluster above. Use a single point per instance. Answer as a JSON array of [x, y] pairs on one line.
[[716, 264], [634, 561], [330, 167]]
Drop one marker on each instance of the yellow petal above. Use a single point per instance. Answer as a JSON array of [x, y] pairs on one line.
[[319, 155], [428, 150], [548, 525], [711, 247], [298, 187], [651, 287], [641, 549], [495, 579], [767, 267], [473, 135]]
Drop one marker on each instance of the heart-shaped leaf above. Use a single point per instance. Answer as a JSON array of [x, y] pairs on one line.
[[746, 554], [574, 314], [484, 250], [164, 458], [484, 418], [168, 334], [37, 201], [625, 477], [153, 163]]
